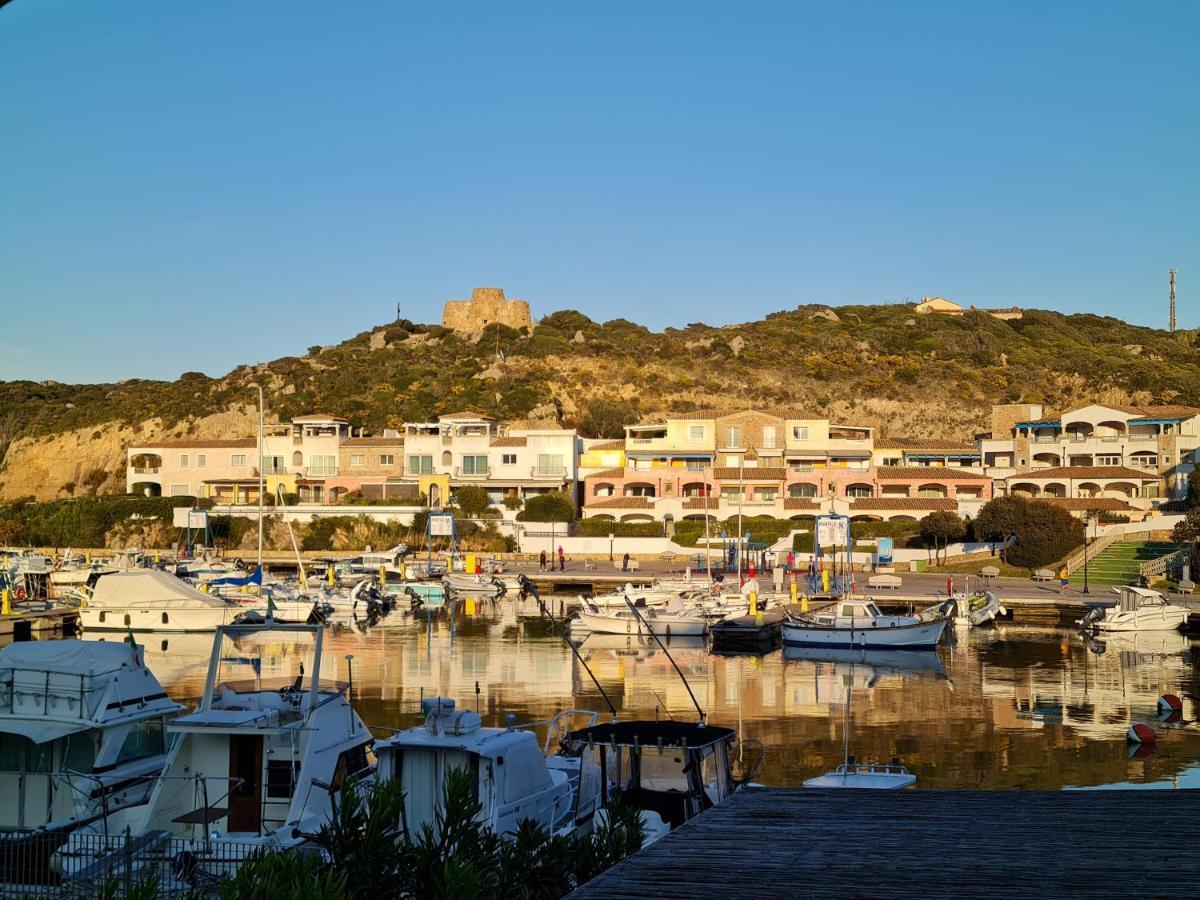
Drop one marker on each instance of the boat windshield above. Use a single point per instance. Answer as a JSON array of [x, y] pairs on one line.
[[872, 610]]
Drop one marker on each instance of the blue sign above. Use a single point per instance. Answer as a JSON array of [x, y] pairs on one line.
[[883, 551]]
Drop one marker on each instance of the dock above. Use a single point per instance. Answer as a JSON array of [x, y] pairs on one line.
[[790, 842], [25, 625]]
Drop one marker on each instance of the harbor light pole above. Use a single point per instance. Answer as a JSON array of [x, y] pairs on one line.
[[259, 467], [1087, 520]]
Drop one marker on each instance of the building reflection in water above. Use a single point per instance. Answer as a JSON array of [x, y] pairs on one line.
[[1010, 707]]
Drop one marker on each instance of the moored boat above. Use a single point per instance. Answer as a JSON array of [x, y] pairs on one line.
[[859, 623], [1137, 609]]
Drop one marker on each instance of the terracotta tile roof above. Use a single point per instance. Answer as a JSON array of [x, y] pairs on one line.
[[1161, 412], [319, 417], [921, 504], [466, 414], [904, 443], [510, 442], [607, 445], [1100, 504], [373, 442], [1085, 472], [620, 503], [202, 443], [607, 473], [698, 503], [799, 503], [927, 473], [749, 473]]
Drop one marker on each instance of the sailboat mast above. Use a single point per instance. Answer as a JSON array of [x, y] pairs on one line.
[[846, 723]]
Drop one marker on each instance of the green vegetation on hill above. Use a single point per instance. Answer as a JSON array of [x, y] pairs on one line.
[[885, 364]]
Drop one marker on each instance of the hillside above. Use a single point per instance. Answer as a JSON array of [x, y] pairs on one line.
[[878, 365]]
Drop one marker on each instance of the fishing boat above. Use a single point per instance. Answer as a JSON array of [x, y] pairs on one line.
[[257, 765], [859, 623], [152, 600], [513, 777], [81, 741], [1137, 609], [671, 620]]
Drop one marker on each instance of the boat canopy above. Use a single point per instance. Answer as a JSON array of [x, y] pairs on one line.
[[650, 734], [147, 587]]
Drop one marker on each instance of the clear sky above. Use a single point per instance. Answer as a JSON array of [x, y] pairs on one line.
[[189, 186]]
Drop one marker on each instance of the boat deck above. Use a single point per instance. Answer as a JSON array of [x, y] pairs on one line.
[[777, 842]]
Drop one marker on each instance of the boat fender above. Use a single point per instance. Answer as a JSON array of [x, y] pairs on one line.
[[1141, 733], [19, 594], [1170, 707]]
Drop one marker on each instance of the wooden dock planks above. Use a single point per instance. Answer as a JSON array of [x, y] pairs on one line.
[[786, 842]]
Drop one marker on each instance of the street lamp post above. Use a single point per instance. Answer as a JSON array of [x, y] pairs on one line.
[[611, 536], [1087, 520]]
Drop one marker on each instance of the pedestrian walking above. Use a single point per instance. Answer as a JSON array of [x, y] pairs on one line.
[[1064, 578], [542, 562], [790, 563], [562, 561], [625, 563], [949, 585]]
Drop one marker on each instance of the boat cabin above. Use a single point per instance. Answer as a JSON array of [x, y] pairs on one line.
[[510, 776], [847, 613], [1131, 599], [81, 731], [674, 769], [265, 750]]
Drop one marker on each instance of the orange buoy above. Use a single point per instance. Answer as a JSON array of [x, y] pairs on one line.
[[1141, 733]]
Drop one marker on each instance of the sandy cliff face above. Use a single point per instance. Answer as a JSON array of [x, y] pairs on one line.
[[92, 460]]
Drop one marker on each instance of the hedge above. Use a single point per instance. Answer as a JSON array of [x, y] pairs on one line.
[[603, 528]]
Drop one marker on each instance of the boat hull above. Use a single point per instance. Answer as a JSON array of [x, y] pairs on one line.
[[1170, 619], [629, 625], [165, 620], [918, 636]]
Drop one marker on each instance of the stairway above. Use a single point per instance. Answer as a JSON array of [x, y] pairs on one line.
[[1120, 562]]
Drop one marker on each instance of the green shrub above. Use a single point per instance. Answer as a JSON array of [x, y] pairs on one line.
[[603, 528], [555, 506]]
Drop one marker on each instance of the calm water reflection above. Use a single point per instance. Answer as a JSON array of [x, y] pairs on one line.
[[1013, 707]]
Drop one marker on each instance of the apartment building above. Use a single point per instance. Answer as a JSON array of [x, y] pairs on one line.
[[773, 464], [1134, 454], [472, 448]]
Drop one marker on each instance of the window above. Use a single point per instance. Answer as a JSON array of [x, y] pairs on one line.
[[1108, 460], [508, 459], [387, 459], [272, 465], [550, 464], [420, 465], [322, 465], [474, 465], [800, 432], [766, 493], [356, 459], [281, 778], [731, 492], [81, 752], [733, 436], [891, 461], [144, 739], [695, 432], [696, 465], [201, 460], [731, 461], [183, 460], [858, 490], [180, 490], [238, 460]]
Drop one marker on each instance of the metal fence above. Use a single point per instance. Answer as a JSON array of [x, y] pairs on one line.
[[49, 864]]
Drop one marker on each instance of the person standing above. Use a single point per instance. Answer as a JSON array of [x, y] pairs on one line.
[[542, 562], [625, 562], [790, 564], [562, 562], [949, 585]]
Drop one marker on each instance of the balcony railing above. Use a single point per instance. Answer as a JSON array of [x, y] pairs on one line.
[[548, 472], [320, 471], [477, 472], [147, 470]]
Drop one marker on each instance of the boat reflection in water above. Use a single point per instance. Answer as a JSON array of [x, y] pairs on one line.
[[1008, 707]]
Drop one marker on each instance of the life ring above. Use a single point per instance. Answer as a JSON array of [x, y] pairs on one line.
[[19, 594]]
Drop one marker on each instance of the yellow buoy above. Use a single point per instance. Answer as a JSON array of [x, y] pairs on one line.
[[6, 602], [470, 606], [470, 564]]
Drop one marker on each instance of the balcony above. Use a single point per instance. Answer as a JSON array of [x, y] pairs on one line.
[[147, 470], [558, 472], [320, 471], [476, 472]]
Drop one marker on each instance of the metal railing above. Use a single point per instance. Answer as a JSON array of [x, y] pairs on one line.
[[1163, 564], [1094, 549], [147, 470], [547, 471]]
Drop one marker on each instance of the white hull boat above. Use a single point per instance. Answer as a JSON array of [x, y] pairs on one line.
[[664, 623], [869, 777], [1138, 609], [151, 600], [858, 623], [485, 586]]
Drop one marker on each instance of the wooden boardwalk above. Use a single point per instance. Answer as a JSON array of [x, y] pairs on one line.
[[787, 842]]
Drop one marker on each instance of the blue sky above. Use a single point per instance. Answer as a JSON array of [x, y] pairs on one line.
[[189, 186]]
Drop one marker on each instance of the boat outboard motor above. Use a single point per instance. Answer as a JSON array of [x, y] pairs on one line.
[[527, 587], [415, 600], [1094, 615], [499, 587]]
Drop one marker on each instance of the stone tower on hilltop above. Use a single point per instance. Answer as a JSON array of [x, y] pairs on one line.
[[487, 305]]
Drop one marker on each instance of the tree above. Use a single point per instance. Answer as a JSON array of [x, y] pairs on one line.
[[1192, 499], [940, 529], [1187, 530], [1044, 533], [606, 418], [555, 506], [473, 499]]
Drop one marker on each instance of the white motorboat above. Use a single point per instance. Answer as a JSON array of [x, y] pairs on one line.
[[1137, 609], [257, 765], [870, 776], [514, 778], [616, 600], [152, 600], [966, 610], [81, 734], [859, 623], [671, 620], [485, 586]]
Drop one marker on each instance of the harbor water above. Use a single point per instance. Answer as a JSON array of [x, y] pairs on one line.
[[1005, 707]]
